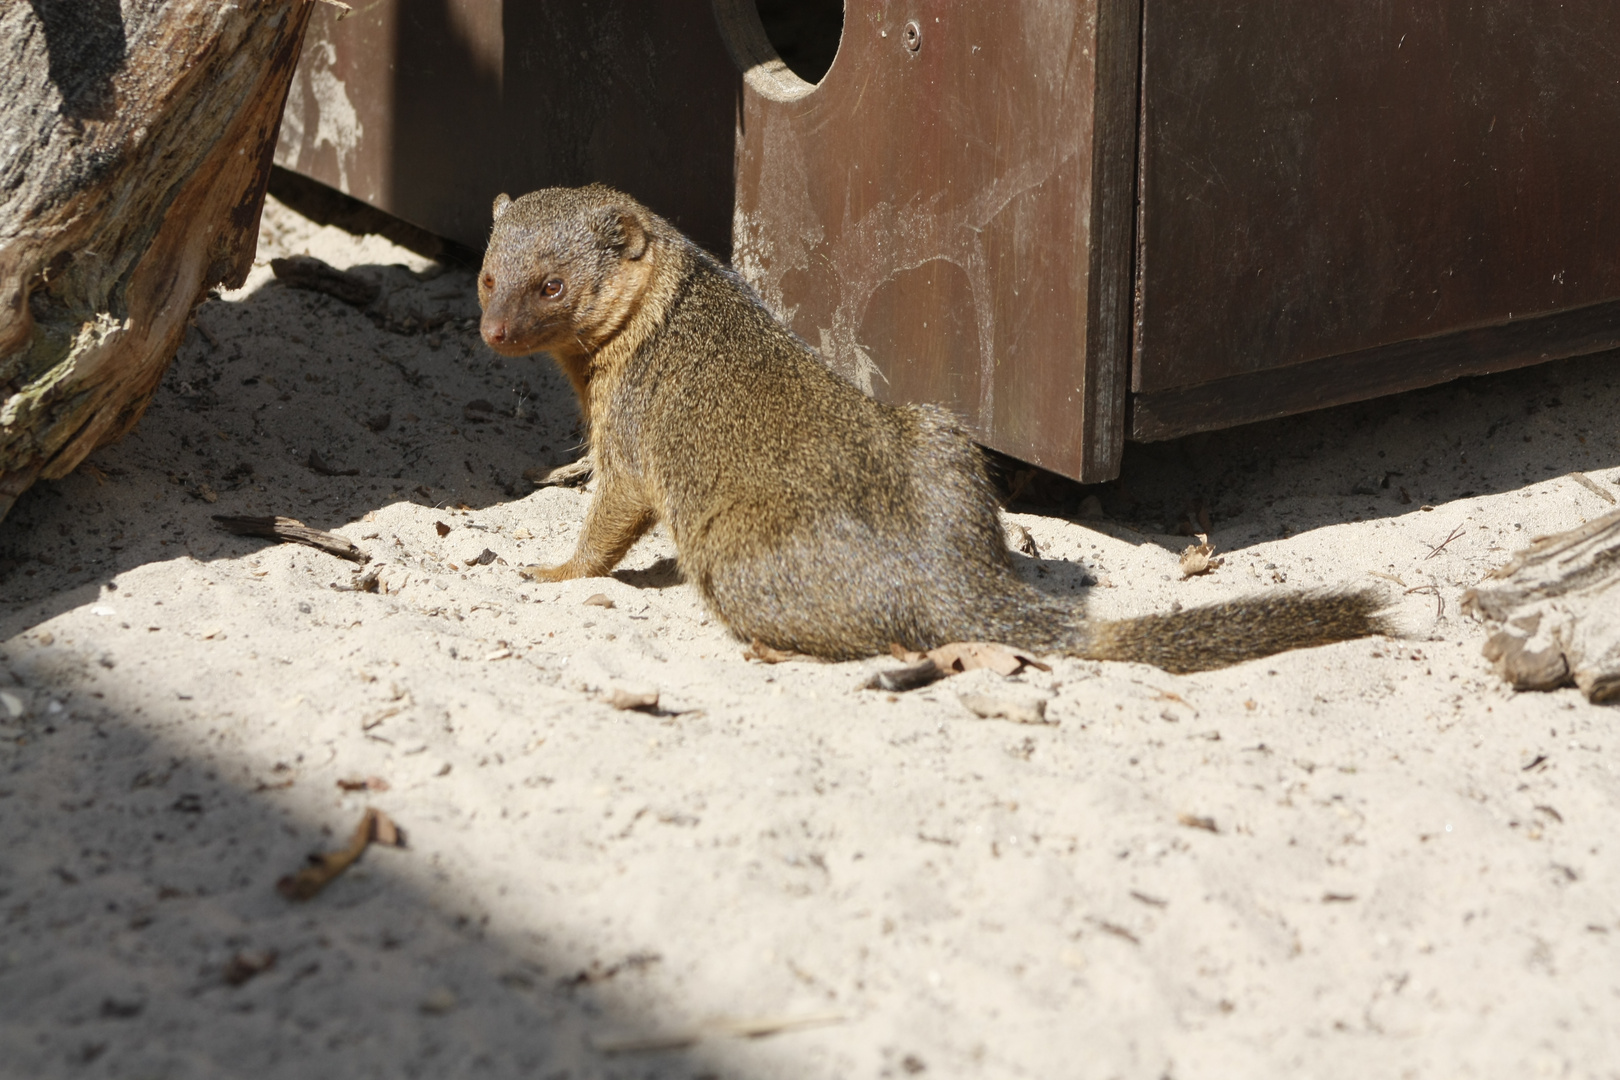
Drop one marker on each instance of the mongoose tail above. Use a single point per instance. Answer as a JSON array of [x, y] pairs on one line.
[[1219, 635]]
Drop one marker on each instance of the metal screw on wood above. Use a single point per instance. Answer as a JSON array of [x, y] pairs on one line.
[[913, 36]]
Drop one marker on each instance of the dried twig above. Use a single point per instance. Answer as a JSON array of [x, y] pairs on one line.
[[375, 827], [743, 1027], [1593, 486], [1440, 601], [291, 531], [1197, 821], [1458, 531]]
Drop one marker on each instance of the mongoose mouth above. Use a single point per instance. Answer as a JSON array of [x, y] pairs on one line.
[[510, 348], [510, 341]]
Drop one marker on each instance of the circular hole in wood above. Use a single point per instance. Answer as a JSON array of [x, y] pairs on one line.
[[805, 33]]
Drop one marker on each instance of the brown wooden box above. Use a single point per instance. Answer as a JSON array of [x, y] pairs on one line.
[[1072, 223]]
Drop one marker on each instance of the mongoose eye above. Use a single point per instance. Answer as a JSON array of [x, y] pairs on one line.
[[489, 281], [552, 288]]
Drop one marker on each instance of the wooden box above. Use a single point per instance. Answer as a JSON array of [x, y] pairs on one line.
[[1073, 223]]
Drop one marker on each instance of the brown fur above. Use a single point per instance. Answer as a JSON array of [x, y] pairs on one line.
[[811, 517]]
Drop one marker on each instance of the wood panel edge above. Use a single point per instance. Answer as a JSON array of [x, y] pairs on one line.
[[1111, 300], [1406, 365]]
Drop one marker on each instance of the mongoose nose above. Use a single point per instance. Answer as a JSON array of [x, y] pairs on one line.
[[495, 331]]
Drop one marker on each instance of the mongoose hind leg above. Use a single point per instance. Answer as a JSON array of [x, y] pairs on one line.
[[616, 520]]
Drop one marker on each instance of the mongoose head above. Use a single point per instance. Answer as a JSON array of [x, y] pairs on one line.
[[565, 269]]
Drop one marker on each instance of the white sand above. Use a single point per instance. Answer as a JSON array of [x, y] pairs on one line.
[[1414, 871]]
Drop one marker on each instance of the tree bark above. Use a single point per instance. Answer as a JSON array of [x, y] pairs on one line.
[[136, 142], [1558, 604]]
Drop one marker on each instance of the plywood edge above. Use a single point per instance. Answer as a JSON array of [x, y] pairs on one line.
[[1407, 365], [1113, 230]]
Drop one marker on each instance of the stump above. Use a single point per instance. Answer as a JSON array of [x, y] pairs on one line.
[[137, 144], [1558, 605]]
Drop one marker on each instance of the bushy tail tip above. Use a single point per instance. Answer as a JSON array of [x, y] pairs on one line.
[[1219, 635]]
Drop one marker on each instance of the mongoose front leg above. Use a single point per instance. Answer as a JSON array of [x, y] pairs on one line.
[[617, 518]]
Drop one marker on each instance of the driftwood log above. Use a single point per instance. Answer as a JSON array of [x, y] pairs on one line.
[[135, 148], [1558, 606]]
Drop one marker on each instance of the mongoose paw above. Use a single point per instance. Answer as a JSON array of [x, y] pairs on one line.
[[564, 572], [574, 474]]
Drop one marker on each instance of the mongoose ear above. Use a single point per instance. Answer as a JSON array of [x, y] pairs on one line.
[[623, 231], [635, 236], [503, 203]]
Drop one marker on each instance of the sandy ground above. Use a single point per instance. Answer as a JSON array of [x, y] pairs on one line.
[[1409, 871]]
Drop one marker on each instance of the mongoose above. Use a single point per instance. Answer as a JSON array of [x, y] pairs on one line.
[[811, 517]]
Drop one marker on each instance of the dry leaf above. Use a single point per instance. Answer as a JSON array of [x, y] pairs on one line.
[[949, 659], [1022, 541], [762, 652], [599, 600], [1199, 558], [441, 528], [375, 827], [363, 783], [969, 655]]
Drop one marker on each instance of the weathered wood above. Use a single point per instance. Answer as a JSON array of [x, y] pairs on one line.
[[947, 215], [1322, 181], [1558, 605], [1387, 369], [137, 146], [429, 110]]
